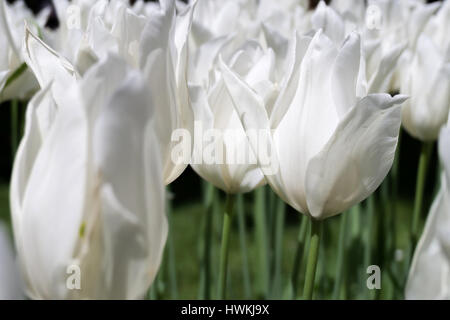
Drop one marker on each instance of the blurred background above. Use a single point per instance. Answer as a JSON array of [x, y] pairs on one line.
[[181, 272]]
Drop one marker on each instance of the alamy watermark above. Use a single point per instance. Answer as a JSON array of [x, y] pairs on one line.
[[228, 146]]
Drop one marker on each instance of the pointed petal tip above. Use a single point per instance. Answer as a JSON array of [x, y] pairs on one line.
[[399, 98]]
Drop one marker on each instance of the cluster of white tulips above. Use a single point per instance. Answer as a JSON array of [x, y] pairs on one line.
[[123, 97]]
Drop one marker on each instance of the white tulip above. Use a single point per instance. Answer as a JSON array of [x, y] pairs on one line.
[[264, 60], [353, 10], [232, 166], [334, 143], [427, 81], [10, 283], [12, 21], [152, 39], [429, 275], [87, 194], [163, 59], [380, 56]]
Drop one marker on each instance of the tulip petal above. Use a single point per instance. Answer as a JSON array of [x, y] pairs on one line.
[[204, 121], [330, 22], [345, 74], [156, 33], [298, 49], [429, 275], [36, 130], [253, 117], [95, 90], [380, 80], [161, 83], [419, 19], [357, 157], [444, 150], [311, 119], [135, 225], [48, 66], [428, 85], [55, 196]]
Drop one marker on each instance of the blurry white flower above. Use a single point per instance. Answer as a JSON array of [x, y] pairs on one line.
[[380, 57], [232, 167], [163, 59], [402, 24], [87, 194], [429, 275], [10, 284], [152, 39], [285, 17], [353, 11], [12, 26], [333, 142], [427, 80]]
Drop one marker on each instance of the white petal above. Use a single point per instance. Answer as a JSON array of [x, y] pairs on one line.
[[310, 120], [330, 22], [254, 119], [135, 226], [345, 74], [429, 275], [48, 66], [380, 80], [299, 46], [356, 159], [444, 150], [53, 202]]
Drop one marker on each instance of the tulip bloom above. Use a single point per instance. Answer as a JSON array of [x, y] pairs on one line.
[[151, 38], [381, 54], [12, 19], [232, 167], [429, 275], [333, 142], [427, 80], [87, 194]]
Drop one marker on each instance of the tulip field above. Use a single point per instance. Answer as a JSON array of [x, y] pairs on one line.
[[217, 150]]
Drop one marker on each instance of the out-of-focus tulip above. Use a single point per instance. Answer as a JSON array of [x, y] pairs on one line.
[[10, 284], [12, 21], [334, 144], [429, 275], [380, 57], [353, 11], [87, 193], [151, 38], [232, 167], [163, 59], [427, 80]]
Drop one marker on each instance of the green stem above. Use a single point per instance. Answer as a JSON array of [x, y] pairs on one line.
[[207, 239], [369, 236], [171, 254], [420, 186], [313, 254], [243, 241], [299, 254], [262, 243], [341, 256], [278, 247], [227, 221]]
